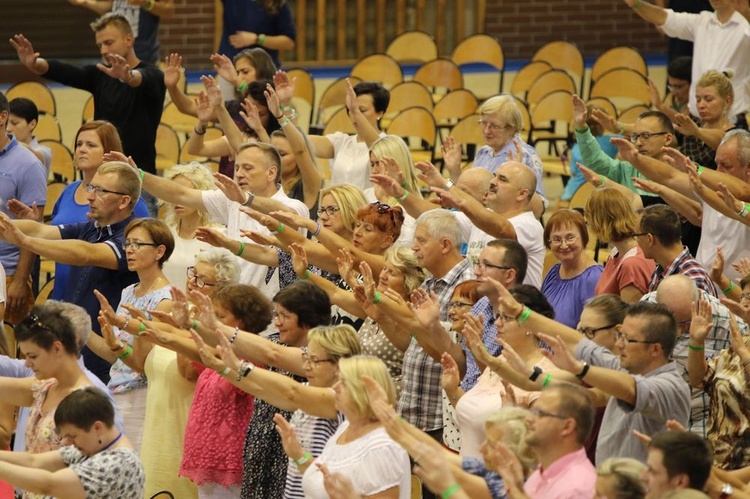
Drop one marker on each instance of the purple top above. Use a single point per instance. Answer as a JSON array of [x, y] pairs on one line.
[[568, 296]]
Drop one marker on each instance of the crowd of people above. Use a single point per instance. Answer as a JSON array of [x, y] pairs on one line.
[[266, 332]]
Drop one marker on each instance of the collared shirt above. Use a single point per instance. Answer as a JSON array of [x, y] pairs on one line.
[[420, 402], [489, 337], [487, 159], [570, 477], [716, 341], [688, 266]]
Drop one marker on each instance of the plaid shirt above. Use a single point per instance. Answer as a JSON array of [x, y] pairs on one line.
[[421, 396], [716, 341], [688, 266], [489, 338]]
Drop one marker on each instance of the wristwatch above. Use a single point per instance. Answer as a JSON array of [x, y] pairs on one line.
[[449, 184], [244, 369], [536, 373], [726, 491]]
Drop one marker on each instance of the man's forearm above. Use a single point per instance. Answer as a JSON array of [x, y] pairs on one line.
[[99, 8], [619, 384], [650, 12]]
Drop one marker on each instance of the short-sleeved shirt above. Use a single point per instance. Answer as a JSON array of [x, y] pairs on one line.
[[489, 160], [110, 474], [22, 177], [351, 160], [244, 15], [568, 296], [688, 266], [620, 271], [732, 235], [45, 151]]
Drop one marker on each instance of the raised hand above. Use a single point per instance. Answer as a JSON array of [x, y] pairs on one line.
[[742, 266], [717, 268], [289, 439], [172, 69], [647, 185], [433, 469], [590, 175], [738, 309], [118, 67], [560, 355], [108, 333], [212, 91], [204, 310], [230, 188], [224, 67], [208, 355], [351, 99], [284, 86], [135, 312], [426, 307], [726, 195], [737, 341], [203, 107], [685, 125], [299, 259], [608, 122], [368, 282], [450, 378], [25, 50], [514, 360], [345, 264], [472, 333], [509, 467], [118, 156], [701, 322], [337, 485], [106, 311], [20, 211], [180, 311], [506, 303], [429, 174], [653, 94], [273, 101], [250, 114], [452, 156], [628, 150], [290, 219], [675, 158], [241, 39], [579, 112], [262, 239], [164, 317], [227, 353], [9, 232], [695, 179], [212, 236]]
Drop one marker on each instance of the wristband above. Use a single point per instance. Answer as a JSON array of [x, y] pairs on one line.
[[127, 352], [403, 196], [306, 276], [317, 229], [729, 289], [249, 199], [603, 179], [744, 210], [286, 122], [142, 173], [141, 328], [450, 491], [622, 126], [699, 169], [202, 131], [225, 372], [194, 326], [404, 184], [278, 118], [242, 248], [304, 459], [547, 380], [377, 297], [284, 108], [118, 347], [262, 39], [234, 336], [695, 348], [583, 372], [448, 185], [242, 87], [278, 229], [525, 313]]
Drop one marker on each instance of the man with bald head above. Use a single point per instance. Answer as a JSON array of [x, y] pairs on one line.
[[678, 293]]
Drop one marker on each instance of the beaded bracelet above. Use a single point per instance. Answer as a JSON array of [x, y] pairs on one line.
[[234, 336]]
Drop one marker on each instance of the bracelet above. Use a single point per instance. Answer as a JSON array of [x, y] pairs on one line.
[[306, 276], [377, 297], [745, 210], [278, 118], [125, 326], [317, 229], [225, 372], [448, 185], [602, 179], [622, 126], [262, 39], [547, 380], [729, 289], [142, 174], [695, 348], [278, 229], [130, 77], [194, 326], [450, 491], [120, 346], [234, 336], [242, 248], [249, 199], [525, 313], [149, 5], [403, 196], [286, 122], [583, 372], [284, 108], [141, 328], [299, 462], [699, 169], [128, 351], [199, 132]]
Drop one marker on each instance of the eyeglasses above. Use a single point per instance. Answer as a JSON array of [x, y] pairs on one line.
[[136, 245], [557, 241], [459, 304], [544, 414], [199, 281], [328, 210], [493, 126], [589, 332], [645, 136], [101, 190], [281, 316], [480, 265], [619, 336], [306, 359], [506, 318]]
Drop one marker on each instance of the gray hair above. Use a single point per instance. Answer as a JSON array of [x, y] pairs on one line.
[[504, 106], [78, 318], [743, 143], [225, 263], [441, 224]]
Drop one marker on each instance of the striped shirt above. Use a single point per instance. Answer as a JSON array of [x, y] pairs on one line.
[[688, 266]]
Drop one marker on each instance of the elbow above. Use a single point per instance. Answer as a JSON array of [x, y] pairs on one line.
[[289, 44]]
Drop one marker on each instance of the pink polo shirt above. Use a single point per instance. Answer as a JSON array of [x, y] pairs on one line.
[[570, 477]]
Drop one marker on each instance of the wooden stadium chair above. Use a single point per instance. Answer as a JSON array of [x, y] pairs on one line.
[[551, 119], [38, 92], [62, 167], [551, 81], [416, 487], [440, 74], [618, 57], [624, 87], [481, 48], [172, 116], [10, 340], [53, 194], [407, 94], [381, 68], [304, 94], [212, 133], [468, 132], [604, 103], [630, 114], [413, 46], [164, 494], [167, 147], [416, 122], [525, 115], [47, 128], [45, 292], [526, 77], [88, 110], [454, 106], [333, 99], [340, 122], [563, 55]]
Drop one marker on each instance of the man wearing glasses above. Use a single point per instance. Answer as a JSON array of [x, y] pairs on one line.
[[93, 248]]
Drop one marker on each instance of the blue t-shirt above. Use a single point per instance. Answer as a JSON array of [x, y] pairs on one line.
[[68, 211], [568, 296], [246, 15]]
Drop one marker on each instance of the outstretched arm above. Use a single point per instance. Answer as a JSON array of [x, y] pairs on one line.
[[28, 56], [648, 11], [654, 169]]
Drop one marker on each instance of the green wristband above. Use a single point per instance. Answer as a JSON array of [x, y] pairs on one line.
[[303, 459], [729, 289], [261, 39], [450, 491], [141, 174], [242, 248], [278, 229], [699, 169], [547, 380], [525, 313], [695, 348], [403, 196], [306, 276], [377, 297], [127, 352], [142, 327], [194, 326]]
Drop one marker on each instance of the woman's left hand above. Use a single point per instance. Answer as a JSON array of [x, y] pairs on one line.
[[106, 310], [685, 125], [338, 485], [108, 333]]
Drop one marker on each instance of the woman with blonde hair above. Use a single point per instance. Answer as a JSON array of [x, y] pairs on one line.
[[627, 272], [620, 478]]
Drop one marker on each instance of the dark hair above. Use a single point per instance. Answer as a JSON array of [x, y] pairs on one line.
[[44, 327], [159, 232], [107, 133], [530, 296], [662, 222], [4, 103], [388, 220], [255, 90], [664, 122], [309, 302], [515, 256], [260, 61], [681, 68], [574, 402], [662, 327], [84, 407], [685, 453], [24, 108], [381, 97], [248, 304], [564, 217], [612, 307]]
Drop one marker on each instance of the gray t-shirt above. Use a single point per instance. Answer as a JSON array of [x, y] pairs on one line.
[[111, 474]]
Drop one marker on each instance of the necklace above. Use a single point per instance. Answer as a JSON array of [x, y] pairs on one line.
[[113, 442], [150, 288]]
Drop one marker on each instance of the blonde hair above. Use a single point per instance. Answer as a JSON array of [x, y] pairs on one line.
[[350, 373], [405, 261], [626, 473], [610, 216], [504, 106], [339, 342], [350, 200], [127, 179], [722, 82], [512, 421], [392, 146], [200, 177]]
